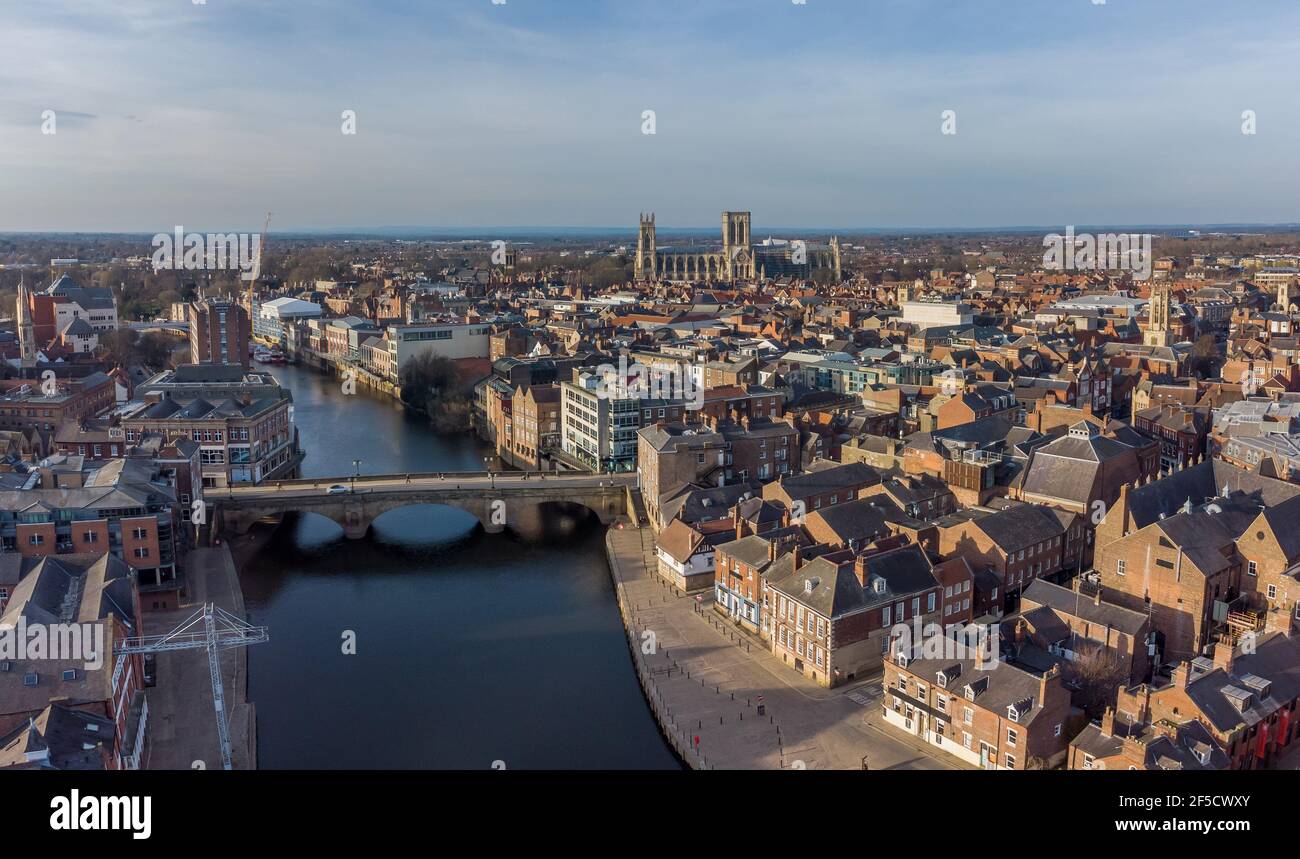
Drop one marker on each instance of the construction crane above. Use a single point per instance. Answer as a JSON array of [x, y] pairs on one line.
[[212, 629]]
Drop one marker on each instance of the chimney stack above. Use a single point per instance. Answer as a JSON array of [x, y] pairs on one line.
[[1108, 722], [1096, 596], [1224, 655], [1049, 674], [797, 556]]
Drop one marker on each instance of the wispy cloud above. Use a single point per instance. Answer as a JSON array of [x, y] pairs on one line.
[[529, 113]]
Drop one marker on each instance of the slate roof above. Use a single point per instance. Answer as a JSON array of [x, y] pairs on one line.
[[1051, 596], [1020, 526]]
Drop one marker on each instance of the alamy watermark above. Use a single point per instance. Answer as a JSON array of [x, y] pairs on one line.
[[66, 642], [931, 641], [636, 381], [1105, 251], [208, 252]]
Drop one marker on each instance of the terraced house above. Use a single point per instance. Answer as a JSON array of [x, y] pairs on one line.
[[831, 618], [993, 717]]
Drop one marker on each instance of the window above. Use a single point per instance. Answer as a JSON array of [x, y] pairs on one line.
[[967, 717], [1119, 567], [929, 602], [141, 552], [1011, 761], [1272, 592], [92, 537], [140, 533], [1252, 568], [1056, 732], [884, 616], [37, 539], [1011, 737]]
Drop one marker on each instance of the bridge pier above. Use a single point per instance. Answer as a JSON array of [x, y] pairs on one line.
[[497, 504]]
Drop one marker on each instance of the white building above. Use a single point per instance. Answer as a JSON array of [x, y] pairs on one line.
[[935, 314], [449, 340]]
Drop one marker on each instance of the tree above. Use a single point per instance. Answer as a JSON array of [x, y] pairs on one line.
[[428, 378], [1096, 673], [1206, 358]]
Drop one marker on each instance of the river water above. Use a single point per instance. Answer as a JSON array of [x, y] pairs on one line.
[[471, 648]]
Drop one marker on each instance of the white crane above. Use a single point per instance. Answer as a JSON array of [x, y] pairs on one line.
[[212, 629]]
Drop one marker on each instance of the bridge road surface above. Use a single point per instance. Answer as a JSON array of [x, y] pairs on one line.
[[315, 487]]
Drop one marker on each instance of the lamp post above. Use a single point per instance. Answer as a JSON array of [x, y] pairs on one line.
[[356, 465], [487, 465]]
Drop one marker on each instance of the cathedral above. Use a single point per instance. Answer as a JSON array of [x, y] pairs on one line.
[[737, 259]]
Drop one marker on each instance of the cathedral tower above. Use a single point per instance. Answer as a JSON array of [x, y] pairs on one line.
[[644, 267]]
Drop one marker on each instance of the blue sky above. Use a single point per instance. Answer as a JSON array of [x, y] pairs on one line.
[[529, 113]]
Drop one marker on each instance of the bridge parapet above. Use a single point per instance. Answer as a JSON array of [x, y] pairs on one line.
[[496, 502]]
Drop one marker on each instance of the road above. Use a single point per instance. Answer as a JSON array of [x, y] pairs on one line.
[[421, 483]]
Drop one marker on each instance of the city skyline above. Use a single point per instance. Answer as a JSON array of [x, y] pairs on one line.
[[526, 116]]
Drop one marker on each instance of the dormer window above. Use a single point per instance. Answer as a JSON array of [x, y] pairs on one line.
[[970, 693], [1012, 713]]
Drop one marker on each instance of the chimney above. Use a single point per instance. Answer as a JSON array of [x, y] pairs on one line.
[[1224, 654], [740, 525], [860, 569], [1096, 597], [1108, 722], [1179, 675], [797, 556], [1048, 675]]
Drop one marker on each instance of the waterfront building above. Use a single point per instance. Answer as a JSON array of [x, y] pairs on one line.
[[272, 320], [242, 421], [76, 589], [219, 330], [127, 507], [994, 716], [832, 617], [454, 340], [599, 426]]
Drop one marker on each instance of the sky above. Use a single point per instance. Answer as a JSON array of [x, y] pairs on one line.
[[471, 113]]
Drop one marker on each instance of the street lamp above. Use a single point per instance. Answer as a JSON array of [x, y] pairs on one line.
[[356, 465], [487, 466]]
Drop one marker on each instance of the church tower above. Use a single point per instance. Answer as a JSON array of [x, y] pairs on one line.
[[1157, 333], [1284, 296], [26, 331], [644, 267], [736, 253]]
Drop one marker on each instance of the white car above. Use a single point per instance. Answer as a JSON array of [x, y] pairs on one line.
[[337, 489]]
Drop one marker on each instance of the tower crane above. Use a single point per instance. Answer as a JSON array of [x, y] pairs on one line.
[[212, 629]]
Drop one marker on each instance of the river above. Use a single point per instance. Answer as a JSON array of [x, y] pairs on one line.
[[471, 648]]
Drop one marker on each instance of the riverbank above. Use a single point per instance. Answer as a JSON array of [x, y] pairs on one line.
[[182, 724], [705, 682]]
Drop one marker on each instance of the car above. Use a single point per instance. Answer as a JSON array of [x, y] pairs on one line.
[[337, 489], [150, 669]]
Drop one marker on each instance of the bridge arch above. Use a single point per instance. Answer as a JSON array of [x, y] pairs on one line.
[[495, 506]]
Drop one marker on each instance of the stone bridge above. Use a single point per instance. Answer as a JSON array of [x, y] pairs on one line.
[[355, 502]]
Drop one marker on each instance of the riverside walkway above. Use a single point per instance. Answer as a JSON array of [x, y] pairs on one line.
[[705, 681]]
